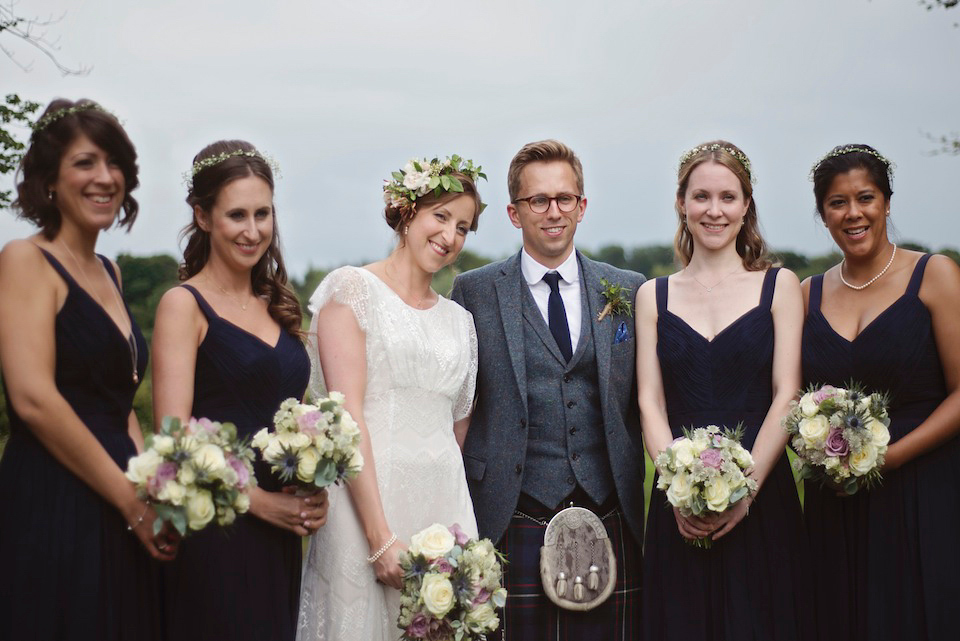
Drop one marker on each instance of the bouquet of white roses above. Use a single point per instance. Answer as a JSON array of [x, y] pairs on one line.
[[451, 586], [703, 471], [194, 473], [312, 445], [841, 435]]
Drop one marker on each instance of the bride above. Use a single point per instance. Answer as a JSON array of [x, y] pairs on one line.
[[406, 361]]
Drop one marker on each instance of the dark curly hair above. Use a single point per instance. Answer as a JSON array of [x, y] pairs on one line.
[[269, 275], [40, 166], [836, 162], [400, 217]]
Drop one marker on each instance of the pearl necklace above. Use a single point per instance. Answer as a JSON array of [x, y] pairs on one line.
[[872, 280]]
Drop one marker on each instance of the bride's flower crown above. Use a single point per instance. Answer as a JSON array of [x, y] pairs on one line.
[[850, 149], [421, 176], [213, 161], [54, 116], [736, 153]]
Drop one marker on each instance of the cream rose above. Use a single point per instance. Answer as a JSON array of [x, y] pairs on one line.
[[680, 490], [717, 494], [242, 503], [163, 444], [187, 475], [683, 452], [172, 492], [865, 460], [261, 439], [433, 542], [814, 430], [808, 406], [879, 433], [437, 594], [209, 457], [483, 617], [200, 509], [307, 466], [142, 467]]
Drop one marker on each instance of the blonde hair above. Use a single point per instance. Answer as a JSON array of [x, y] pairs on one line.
[[541, 151]]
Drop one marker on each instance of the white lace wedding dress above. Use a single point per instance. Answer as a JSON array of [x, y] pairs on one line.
[[421, 375]]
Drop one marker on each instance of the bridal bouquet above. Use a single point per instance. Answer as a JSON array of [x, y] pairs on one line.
[[312, 445], [841, 435], [194, 473], [703, 471], [451, 586]]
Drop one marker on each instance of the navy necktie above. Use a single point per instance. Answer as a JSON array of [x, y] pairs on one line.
[[557, 315]]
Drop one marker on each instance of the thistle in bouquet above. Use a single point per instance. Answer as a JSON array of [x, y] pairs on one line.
[[312, 445], [704, 472], [194, 473], [452, 586], [840, 436]]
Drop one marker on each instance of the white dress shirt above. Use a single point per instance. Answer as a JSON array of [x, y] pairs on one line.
[[569, 272]]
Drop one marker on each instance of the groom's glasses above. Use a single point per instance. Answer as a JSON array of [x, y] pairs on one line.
[[540, 203]]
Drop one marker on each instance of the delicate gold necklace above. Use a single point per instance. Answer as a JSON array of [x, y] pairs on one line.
[[128, 330], [223, 290], [419, 305], [872, 280], [710, 289]]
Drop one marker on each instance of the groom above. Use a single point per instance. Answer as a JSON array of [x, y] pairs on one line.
[[556, 421]]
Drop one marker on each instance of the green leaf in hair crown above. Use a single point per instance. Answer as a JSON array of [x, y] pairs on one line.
[[420, 177]]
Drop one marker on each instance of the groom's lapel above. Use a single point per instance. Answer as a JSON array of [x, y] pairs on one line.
[[509, 297], [603, 330]]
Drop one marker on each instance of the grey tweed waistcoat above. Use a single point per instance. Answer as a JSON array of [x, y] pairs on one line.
[[565, 445]]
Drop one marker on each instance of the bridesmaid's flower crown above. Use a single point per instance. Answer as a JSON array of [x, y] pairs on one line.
[[421, 176], [736, 153], [54, 116], [213, 161], [851, 149]]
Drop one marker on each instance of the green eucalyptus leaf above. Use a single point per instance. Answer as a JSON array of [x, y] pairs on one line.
[[434, 182], [445, 182], [455, 184]]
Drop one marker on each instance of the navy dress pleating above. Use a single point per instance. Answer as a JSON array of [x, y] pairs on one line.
[[753, 583], [241, 582], [69, 569], [887, 559]]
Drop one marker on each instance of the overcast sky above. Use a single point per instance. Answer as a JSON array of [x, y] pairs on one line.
[[341, 92]]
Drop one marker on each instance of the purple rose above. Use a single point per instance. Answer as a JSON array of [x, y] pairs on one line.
[[442, 565], [836, 444], [711, 458], [825, 392], [166, 471], [482, 597], [308, 422], [418, 627], [458, 534], [243, 474]]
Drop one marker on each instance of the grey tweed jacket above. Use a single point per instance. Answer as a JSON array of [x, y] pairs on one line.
[[496, 444]]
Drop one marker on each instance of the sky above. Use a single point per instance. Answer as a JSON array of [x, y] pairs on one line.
[[342, 92]]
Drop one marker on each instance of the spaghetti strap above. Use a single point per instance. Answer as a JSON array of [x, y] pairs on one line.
[[201, 301], [913, 288], [769, 285], [816, 292], [661, 294], [58, 267], [109, 267]]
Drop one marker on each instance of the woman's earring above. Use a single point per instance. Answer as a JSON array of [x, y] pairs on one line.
[[50, 194], [406, 229]]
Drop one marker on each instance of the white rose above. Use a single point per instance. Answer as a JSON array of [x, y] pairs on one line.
[[163, 444], [200, 509], [700, 443], [680, 491], [879, 433], [242, 503], [356, 461], [717, 494], [142, 467], [865, 460], [483, 617], [186, 475], [273, 450], [307, 466], [173, 493], [433, 542], [209, 457], [261, 439], [742, 456], [814, 430], [808, 407], [437, 594], [683, 453]]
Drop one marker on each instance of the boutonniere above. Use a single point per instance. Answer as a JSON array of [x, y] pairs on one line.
[[616, 300]]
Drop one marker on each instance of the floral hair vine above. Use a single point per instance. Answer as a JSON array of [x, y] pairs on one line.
[[736, 153], [421, 176], [851, 149], [51, 118], [213, 161]]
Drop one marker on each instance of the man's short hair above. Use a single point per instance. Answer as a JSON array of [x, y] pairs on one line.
[[541, 151]]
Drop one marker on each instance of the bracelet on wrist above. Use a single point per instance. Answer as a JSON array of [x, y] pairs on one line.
[[139, 521], [383, 548]]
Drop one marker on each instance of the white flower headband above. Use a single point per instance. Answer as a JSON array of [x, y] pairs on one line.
[[736, 153], [421, 176], [213, 161], [851, 149], [52, 117]]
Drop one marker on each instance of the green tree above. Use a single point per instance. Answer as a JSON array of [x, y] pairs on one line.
[[14, 112]]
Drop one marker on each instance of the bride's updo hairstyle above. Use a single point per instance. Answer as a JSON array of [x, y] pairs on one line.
[[846, 158], [59, 126], [398, 217], [216, 166], [750, 244]]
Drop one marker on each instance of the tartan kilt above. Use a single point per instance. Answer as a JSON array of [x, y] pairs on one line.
[[530, 616]]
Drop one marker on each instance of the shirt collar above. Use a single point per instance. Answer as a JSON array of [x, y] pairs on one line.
[[533, 271]]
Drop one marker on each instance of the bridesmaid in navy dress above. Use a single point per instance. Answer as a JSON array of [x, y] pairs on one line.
[[886, 317], [719, 343], [227, 346], [75, 541]]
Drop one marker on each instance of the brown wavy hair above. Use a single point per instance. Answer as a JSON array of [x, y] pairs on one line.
[[750, 243], [399, 217], [40, 166], [269, 275]]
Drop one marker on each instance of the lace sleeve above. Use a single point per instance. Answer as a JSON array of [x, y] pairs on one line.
[[464, 402], [345, 286]]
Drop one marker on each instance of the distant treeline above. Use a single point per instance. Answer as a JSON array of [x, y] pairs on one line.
[[146, 278]]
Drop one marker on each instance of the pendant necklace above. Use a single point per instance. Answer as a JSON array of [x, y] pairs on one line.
[[396, 282], [710, 289], [236, 299], [131, 340], [872, 280]]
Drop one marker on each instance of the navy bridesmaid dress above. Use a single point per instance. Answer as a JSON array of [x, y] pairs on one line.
[[752, 583], [69, 569], [241, 582], [887, 559]]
